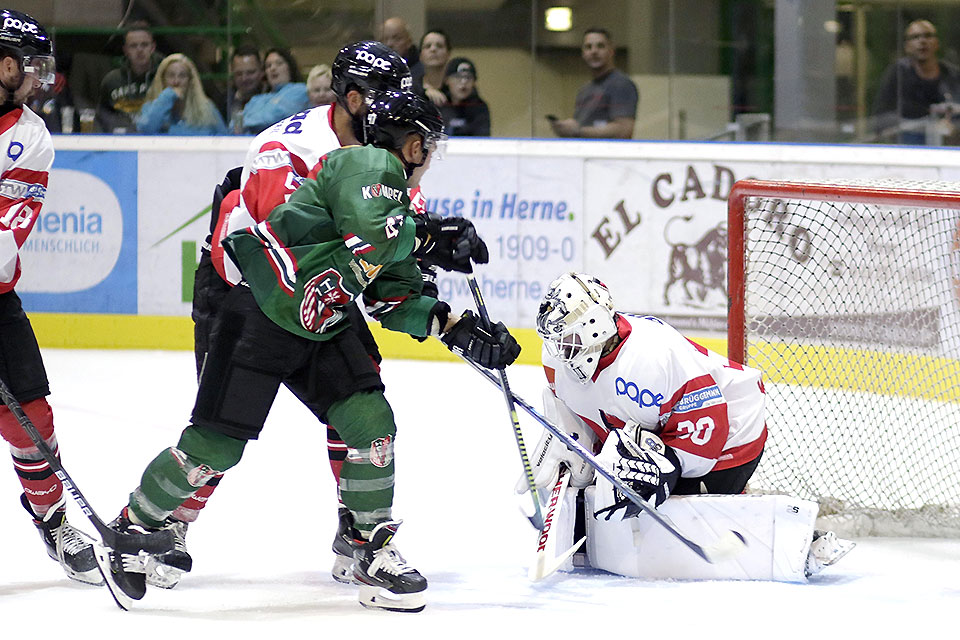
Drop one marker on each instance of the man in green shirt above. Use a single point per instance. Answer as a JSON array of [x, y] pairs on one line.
[[346, 233]]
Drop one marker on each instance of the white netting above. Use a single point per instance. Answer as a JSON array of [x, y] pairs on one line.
[[852, 311]]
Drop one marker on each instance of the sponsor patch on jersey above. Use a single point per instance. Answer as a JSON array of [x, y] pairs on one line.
[[381, 191], [643, 397], [699, 399], [18, 190], [381, 451], [271, 159]]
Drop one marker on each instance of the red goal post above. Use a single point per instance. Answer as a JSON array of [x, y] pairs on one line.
[[847, 296]]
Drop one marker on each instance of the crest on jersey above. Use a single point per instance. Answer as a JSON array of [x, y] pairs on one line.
[[323, 300]]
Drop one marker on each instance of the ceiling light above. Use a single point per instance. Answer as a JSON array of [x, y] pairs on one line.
[[558, 19]]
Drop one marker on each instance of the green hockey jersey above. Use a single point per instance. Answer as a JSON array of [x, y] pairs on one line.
[[344, 234]]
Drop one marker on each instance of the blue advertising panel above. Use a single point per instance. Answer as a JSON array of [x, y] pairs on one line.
[[81, 256]]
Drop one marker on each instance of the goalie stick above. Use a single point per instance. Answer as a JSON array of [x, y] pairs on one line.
[[537, 518], [156, 542], [729, 543]]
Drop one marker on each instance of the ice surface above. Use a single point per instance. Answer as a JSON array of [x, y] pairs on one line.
[[262, 547]]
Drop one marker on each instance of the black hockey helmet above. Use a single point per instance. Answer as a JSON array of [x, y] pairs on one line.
[[370, 66], [25, 38], [392, 115]]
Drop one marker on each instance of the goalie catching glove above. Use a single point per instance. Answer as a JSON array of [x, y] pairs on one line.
[[450, 243], [492, 348], [646, 465]]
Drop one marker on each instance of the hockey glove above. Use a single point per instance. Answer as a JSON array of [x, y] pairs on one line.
[[647, 466], [493, 349], [450, 243]]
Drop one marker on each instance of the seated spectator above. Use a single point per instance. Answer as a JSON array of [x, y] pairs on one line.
[[318, 85], [246, 72], [287, 95], [176, 103], [465, 114], [434, 55], [123, 90]]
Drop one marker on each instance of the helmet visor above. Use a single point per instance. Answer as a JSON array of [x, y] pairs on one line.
[[436, 144], [43, 68]]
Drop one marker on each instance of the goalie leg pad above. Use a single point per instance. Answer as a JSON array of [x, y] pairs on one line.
[[778, 532]]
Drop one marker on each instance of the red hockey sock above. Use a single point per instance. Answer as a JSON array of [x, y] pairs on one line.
[[191, 507], [42, 488]]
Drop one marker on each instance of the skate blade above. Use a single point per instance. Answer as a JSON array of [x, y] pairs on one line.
[[379, 598], [92, 577], [342, 570], [102, 555]]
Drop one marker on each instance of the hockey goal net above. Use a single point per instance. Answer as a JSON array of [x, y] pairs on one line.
[[847, 297]]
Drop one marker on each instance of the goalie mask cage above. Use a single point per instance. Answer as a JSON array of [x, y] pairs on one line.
[[847, 297]]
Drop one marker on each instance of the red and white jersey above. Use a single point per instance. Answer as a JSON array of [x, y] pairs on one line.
[[278, 160], [709, 409], [27, 155]]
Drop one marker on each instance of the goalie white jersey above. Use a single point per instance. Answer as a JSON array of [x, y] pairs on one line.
[[709, 409]]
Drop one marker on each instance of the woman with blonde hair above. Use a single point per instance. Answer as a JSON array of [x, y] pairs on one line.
[[176, 103]]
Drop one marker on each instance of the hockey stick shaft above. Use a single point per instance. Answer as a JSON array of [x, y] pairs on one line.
[[537, 518], [157, 542], [709, 554]]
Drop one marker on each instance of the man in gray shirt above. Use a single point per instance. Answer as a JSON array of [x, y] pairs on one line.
[[606, 106]]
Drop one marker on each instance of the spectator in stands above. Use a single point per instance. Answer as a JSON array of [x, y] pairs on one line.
[[434, 54], [318, 85], [396, 35], [176, 103], [53, 103], [123, 90], [287, 95], [914, 84], [246, 71], [606, 107], [465, 114]]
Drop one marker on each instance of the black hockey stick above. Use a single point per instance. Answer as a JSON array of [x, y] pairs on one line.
[[537, 518], [730, 542], [156, 542]]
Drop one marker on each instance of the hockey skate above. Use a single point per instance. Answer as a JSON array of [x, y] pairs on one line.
[[164, 570], [124, 573], [386, 580], [344, 544], [72, 548], [825, 550]]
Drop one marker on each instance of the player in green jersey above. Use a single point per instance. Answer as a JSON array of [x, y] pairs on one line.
[[345, 234]]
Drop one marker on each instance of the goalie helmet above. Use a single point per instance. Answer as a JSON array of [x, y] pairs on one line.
[[575, 320]]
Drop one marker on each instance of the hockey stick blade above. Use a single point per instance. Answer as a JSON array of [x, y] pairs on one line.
[[536, 519], [546, 563], [156, 542], [544, 567], [730, 542]]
